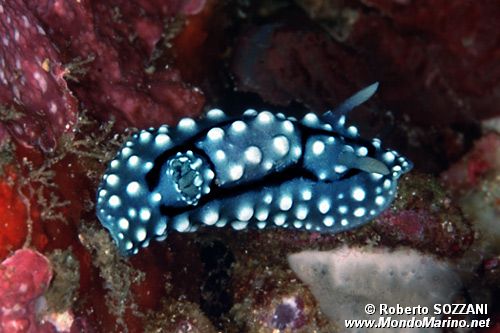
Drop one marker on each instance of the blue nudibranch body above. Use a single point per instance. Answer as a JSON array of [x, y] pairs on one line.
[[260, 169]]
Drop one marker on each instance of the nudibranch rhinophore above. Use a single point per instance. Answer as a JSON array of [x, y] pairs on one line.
[[258, 170]]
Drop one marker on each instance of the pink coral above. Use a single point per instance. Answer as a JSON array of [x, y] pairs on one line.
[[116, 39], [107, 49], [24, 277], [31, 80]]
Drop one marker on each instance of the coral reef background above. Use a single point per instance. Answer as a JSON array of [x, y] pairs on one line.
[[77, 77]]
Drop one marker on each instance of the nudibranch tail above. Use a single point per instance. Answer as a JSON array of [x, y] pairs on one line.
[[258, 170]]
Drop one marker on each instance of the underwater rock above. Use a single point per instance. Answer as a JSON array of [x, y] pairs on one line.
[[287, 63], [423, 53], [270, 299], [179, 317], [475, 180], [426, 217], [345, 280]]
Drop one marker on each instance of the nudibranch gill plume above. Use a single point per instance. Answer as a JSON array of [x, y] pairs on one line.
[[258, 170]]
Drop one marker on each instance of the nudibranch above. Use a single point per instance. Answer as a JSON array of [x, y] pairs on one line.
[[257, 170]]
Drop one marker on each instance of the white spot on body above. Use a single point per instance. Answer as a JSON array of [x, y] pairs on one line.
[[265, 117], [267, 165], [250, 112], [281, 145], [268, 198], [160, 228], [362, 151], [140, 234], [339, 168], [359, 212], [286, 203], [114, 201], [211, 217], [328, 221], [112, 180], [389, 157], [280, 219], [239, 225], [145, 214], [215, 134], [235, 171], [262, 214], [156, 197], [245, 213], [133, 188], [148, 166], [215, 113], [238, 126], [324, 206], [306, 194], [342, 120], [162, 140], [129, 245], [221, 223], [145, 136], [220, 155], [310, 118], [182, 224], [134, 161], [387, 184], [288, 126], [123, 224], [343, 209], [379, 200], [344, 222], [352, 131], [187, 124], [301, 212], [253, 155], [358, 194], [318, 147]]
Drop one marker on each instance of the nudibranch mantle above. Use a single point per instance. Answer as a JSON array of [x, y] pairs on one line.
[[258, 170]]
